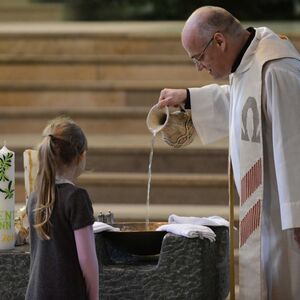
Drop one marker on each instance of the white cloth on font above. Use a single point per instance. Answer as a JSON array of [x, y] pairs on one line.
[[205, 221], [99, 227], [189, 231]]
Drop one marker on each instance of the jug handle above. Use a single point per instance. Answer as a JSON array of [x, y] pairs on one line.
[[182, 108]]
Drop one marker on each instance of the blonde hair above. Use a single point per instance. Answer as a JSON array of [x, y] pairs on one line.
[[63, 142]]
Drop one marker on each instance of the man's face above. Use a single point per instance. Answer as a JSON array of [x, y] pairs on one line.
[[207, 54]]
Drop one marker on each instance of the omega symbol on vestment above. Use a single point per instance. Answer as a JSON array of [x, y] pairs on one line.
[[250, 121]]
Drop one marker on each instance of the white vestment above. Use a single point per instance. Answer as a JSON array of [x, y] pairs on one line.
[[216, 111]]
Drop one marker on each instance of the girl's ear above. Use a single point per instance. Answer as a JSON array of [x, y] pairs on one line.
[[81, 156]]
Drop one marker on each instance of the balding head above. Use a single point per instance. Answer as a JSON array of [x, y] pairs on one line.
[[207, 20]]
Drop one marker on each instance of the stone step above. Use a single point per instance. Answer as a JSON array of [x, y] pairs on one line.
[[102, 120], [109, 67], [24, 11], [130, 154], [96, 38], [92, 38], [86, 93], [131, 188]]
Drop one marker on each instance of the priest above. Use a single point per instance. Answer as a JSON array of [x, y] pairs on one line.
[[260, 112]]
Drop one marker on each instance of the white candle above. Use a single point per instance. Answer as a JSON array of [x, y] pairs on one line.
[[30, 159], [7, 199]]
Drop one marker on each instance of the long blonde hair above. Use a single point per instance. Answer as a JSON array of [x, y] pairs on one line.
[[63, 142]]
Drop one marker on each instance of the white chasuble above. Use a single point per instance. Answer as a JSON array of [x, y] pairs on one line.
[[241, 102], [251, 274]]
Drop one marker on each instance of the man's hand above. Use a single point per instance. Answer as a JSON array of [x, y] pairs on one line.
[[297, 236], [172, 97]]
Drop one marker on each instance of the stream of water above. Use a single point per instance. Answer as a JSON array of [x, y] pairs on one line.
[[149, 179]]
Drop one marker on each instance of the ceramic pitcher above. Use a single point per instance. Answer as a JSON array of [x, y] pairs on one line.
[[176, 127]]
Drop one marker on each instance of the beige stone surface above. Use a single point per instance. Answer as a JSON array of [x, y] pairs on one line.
[[129, 29], [20, 11], [89, 93], [53, 71], [65, 99], [119, 120], [110, 70], [96, 38]]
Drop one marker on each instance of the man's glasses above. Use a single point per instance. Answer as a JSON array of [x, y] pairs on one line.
[[197, 59]]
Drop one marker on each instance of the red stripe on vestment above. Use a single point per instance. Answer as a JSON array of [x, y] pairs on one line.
[[251, 181], [250, 222]]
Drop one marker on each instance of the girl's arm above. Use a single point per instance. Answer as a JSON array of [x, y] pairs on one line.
[[85, 244]]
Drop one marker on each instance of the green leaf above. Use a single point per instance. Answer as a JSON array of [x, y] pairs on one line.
[[5, 164], [9, 193]]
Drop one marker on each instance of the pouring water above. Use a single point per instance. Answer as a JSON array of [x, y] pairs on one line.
[[156, 120], [176, 130]]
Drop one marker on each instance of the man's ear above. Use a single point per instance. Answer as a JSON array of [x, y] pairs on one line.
[[220, 40]]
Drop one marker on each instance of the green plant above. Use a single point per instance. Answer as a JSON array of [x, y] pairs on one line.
[[5, 163]]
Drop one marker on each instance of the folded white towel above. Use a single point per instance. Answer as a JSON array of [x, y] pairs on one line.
[[99, 227], [189, 231], [209, 221]]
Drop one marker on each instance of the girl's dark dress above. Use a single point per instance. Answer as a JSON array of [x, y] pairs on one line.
[[55, 272]]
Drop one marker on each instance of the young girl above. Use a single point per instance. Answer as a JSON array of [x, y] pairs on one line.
[[63, 257]]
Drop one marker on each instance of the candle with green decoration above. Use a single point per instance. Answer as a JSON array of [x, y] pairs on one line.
[[7, 199]]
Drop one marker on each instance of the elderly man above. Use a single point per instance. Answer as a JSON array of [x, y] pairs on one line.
[[259, 110]]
